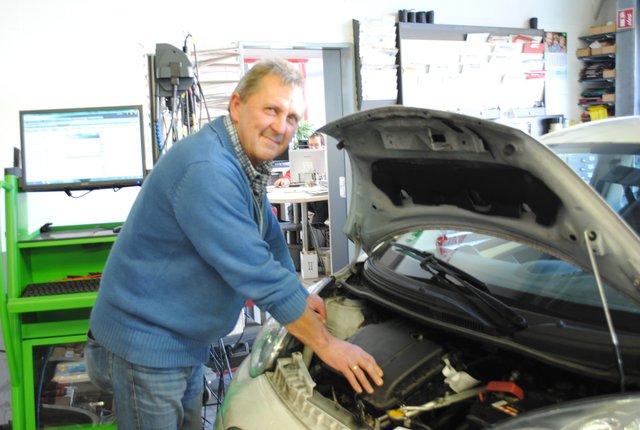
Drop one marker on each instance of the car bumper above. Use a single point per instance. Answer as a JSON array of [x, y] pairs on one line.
[[252, 403]]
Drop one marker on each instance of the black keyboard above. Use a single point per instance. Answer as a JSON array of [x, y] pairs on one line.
[[70, 286], [280, 163]]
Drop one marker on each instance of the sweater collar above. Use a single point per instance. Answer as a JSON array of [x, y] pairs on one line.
[[258, 176]]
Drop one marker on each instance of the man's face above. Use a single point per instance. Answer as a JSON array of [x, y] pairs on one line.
[[315, 142], [267, 120], [549, 38]]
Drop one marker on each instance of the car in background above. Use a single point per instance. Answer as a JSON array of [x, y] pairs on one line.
[[606, 155], [495, 288]]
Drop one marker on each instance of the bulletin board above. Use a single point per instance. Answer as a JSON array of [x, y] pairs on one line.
[[488, 72]]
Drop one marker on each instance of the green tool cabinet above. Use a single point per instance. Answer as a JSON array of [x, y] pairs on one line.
[[44, 336]]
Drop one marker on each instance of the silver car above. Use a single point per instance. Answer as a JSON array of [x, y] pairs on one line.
[[495, 287]]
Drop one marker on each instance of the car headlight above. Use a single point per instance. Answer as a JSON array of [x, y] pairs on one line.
[[620, 411], [272, 338], [267, 347]]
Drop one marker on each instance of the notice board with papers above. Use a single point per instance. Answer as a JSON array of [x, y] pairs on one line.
[[376, 62], [487, 72]]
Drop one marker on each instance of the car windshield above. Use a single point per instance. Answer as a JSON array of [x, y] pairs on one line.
[[514, 273], [613, 170]]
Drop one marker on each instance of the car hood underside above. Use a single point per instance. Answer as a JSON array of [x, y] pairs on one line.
[[416, 168]]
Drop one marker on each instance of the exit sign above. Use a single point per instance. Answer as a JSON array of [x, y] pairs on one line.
[[625, 19]]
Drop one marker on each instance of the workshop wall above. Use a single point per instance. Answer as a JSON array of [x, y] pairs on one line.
[[71, 53]]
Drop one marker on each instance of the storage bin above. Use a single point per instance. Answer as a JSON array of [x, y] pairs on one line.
[[597, 112]]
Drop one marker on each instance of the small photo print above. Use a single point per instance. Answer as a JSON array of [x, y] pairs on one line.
[[555, 42]]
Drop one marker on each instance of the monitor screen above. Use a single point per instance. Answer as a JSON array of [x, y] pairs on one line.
[[85, 148], [307, 164], [282, 157]]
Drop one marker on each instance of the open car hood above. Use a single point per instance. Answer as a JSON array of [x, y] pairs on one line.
[[417, 168]]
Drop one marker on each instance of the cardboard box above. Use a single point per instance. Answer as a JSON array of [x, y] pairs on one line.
[[602, 29], [609, 73], [608, 98], [71, 352], [595, 29], [309, 264], [610, 49], [583, 52], [596, 51]]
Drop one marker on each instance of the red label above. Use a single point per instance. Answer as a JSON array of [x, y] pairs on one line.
[[625, 19]]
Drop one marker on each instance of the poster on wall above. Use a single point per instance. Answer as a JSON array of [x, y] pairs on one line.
[[556, 78]]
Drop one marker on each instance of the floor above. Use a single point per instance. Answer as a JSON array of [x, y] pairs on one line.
[[5, 388], [209, 412]]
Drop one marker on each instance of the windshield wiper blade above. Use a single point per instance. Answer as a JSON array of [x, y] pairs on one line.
[[499, 312], [420, 253], [440, 267]]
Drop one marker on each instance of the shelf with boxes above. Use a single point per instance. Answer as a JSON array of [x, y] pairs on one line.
[[63, 394], [598, 74]]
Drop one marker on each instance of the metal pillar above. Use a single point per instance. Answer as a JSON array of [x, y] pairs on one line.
[[627, 65]]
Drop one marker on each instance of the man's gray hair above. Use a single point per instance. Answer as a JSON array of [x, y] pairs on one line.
[[288, 73]]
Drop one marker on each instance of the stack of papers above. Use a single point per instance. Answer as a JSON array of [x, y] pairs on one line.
[[316, 190]]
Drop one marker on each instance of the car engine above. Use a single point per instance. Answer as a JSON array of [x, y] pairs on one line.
[[434, 380]]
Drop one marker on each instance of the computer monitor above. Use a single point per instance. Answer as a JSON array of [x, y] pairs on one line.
[[83, 148], [307, 164], [282, 157]]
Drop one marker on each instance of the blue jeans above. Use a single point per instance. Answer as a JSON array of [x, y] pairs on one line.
[[148, 397]]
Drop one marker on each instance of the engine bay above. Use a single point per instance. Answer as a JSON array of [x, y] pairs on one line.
[[434, 380]]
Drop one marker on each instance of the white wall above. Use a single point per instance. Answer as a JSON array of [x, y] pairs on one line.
[[69, 53]]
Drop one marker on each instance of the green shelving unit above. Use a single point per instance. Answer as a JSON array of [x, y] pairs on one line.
[[38, 331]]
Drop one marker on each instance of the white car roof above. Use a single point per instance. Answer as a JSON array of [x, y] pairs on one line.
[[624, 129]]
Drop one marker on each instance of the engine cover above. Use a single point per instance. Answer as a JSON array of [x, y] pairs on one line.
[[406, 356]]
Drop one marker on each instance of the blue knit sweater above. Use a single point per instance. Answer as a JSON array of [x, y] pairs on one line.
[[195, 246]]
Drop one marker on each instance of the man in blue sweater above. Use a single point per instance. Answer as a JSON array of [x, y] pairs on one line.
[[199, 242]]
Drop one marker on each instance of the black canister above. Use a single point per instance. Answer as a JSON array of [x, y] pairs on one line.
[[430, 17]]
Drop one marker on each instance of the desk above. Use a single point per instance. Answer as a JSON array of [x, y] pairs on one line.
[[302, 196]]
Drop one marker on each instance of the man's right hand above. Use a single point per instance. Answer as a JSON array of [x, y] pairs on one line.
[[349, 359], [358, 366]]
